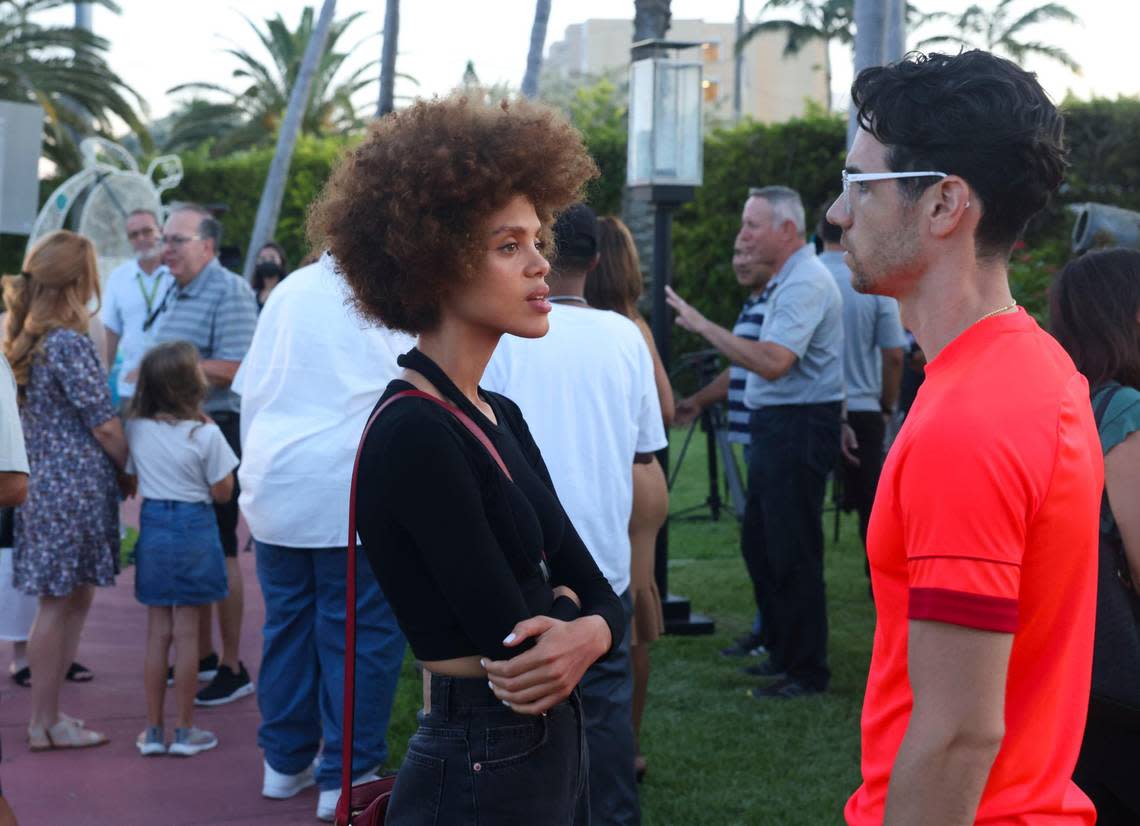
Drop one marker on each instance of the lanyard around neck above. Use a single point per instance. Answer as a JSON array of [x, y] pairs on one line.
[[148, 297], [161, 308]]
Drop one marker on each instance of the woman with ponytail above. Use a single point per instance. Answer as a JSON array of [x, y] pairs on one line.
[[67, 532]]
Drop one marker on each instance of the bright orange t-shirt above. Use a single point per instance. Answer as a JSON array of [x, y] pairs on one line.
[[986, 517]]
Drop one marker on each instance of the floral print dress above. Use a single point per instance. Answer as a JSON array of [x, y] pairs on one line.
[[67, 532]]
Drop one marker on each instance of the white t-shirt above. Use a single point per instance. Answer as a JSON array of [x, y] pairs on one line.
[[13, 458], [128, 299], [178, 461], [587, 393], [313, 373]]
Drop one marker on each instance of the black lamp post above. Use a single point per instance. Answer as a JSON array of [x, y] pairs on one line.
[[664, 166]]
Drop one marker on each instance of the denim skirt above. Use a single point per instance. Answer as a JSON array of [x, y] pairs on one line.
[[178, 557], [474, 762]]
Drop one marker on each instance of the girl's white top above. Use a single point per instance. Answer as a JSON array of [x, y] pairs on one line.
[[178, 461]]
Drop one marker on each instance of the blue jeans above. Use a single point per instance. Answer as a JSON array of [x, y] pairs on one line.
[[300, 690]]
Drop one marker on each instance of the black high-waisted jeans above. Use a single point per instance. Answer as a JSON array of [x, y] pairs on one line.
[[474, 762]]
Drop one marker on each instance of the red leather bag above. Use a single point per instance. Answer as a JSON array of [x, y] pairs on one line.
[[367, 803]]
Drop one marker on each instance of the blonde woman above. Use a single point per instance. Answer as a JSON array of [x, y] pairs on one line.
[[615, 284], [67, 532]]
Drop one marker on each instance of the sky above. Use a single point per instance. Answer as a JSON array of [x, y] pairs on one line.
[[156, 44]]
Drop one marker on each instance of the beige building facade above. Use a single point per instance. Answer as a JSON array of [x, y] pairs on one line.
[[774, 88]]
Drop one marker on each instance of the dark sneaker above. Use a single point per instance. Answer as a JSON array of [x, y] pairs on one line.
[[225, 687], [190, 741], [207, 669], [745, 646], [765, 669], [784, 690]]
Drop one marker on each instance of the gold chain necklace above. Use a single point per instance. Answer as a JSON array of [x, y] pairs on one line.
[[992, 313]]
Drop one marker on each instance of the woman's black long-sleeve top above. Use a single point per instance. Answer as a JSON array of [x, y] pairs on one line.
[[455, 545]]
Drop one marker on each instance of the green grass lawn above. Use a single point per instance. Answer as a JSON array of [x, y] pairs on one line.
[[716, 756]]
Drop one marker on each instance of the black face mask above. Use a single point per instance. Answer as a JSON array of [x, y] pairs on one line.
[[267, 269]]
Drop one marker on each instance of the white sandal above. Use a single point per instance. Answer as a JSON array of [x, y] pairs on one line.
[[66, 734]]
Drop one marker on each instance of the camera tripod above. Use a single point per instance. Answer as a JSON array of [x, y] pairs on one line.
[[712, 421]]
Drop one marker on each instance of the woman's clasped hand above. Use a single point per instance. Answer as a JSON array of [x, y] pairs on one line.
[[539, 679]]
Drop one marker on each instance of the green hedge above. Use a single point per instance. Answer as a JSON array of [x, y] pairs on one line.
[[806, 154], [237, 180]]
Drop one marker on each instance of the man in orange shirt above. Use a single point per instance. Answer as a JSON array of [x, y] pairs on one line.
[[983, 538]]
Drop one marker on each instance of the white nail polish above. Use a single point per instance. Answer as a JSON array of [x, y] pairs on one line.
[[482, 663], [508, 705], [509, 638]]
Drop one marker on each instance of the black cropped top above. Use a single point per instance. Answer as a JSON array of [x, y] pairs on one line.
[[458, 549]]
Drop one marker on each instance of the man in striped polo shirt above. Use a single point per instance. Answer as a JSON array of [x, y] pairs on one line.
[[729, 385], [216, 311]]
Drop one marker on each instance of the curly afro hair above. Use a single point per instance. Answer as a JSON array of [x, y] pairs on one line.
[[402, 213]]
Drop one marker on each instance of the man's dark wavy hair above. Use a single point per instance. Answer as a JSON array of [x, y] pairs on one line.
[[973, 115]]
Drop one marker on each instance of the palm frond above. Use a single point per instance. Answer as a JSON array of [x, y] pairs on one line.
[[797, 34], [263, 78], [942, 40], [1050, 12], [1019, 51]]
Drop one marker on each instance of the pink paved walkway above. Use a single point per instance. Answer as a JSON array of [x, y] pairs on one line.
[[113, 785]]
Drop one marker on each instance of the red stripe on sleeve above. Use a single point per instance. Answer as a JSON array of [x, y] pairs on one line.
[[960, 608]]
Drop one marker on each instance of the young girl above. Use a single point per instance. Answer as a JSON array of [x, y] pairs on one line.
[[182, 462]]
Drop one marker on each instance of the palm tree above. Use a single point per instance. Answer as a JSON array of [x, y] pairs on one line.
[[999, 31], [388, 58], [537, 41], [299, 94], [64, 70], [251, 116], [826, 20]]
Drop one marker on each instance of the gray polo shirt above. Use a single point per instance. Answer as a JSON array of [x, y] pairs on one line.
[[870, 325], [804, 314], [217, 313]]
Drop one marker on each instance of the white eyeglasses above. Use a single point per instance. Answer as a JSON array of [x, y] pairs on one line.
[[859, 177]]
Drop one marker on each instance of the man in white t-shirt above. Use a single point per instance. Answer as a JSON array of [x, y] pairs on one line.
[[133, 293], [312, 375], [587, 392]]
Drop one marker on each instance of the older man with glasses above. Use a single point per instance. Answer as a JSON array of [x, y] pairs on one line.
[[216, 311], [794, 389], [133, 291]]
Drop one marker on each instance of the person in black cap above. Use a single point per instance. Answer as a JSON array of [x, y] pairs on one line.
[[587, 392]]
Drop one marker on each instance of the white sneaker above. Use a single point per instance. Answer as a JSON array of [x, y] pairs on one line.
[[326, 803], [280, 786]]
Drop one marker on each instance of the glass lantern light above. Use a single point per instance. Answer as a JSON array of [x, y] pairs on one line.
[[665, 147], [664, 168]]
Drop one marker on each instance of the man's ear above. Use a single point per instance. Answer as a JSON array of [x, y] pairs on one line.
[[789, 231], [948, 205], [594, 262]]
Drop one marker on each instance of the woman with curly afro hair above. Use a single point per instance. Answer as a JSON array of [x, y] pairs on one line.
[[440, 222]]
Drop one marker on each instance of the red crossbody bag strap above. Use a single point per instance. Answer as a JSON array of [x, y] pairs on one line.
[[342, 808]]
